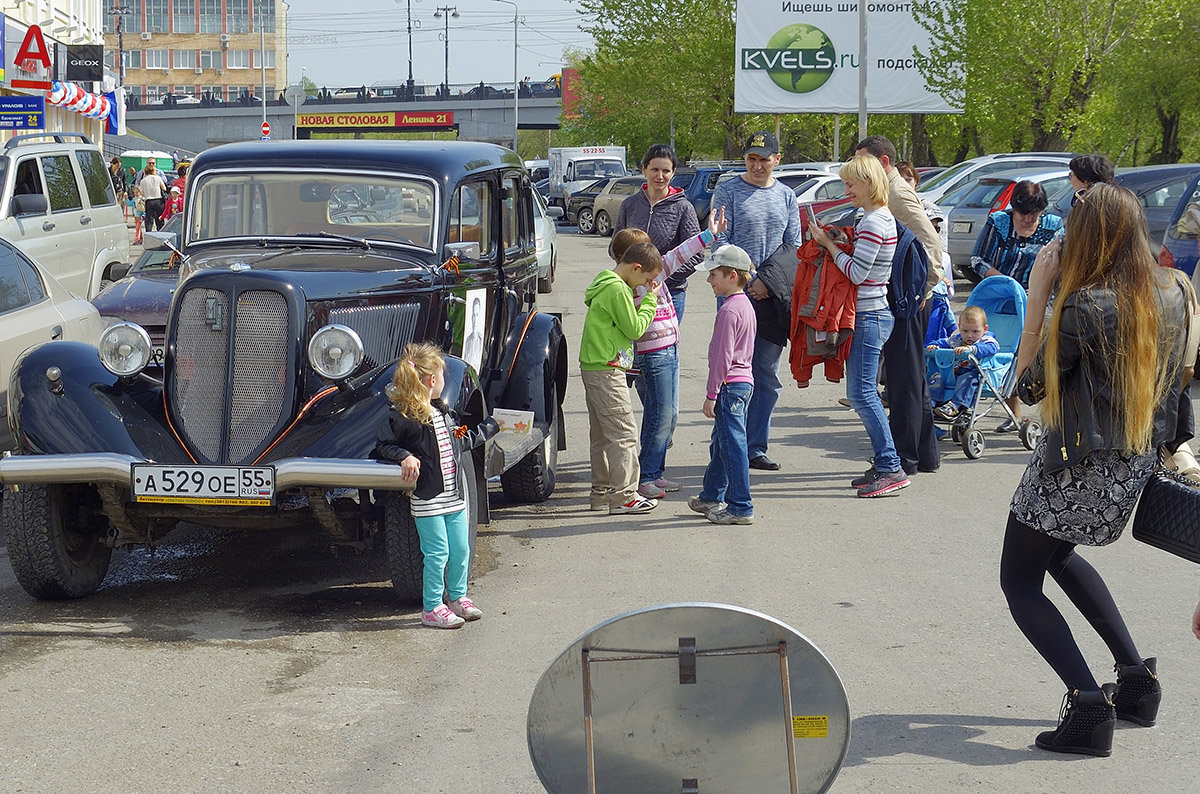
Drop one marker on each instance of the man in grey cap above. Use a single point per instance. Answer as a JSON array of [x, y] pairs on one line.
[[760, 215]]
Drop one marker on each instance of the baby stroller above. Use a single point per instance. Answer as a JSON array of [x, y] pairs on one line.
[[1004, 301]]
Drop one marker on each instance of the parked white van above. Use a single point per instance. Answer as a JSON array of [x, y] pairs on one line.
[[58, 206]]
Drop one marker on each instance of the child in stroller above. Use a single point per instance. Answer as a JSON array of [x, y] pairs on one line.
[[991, 378], [972, 337]]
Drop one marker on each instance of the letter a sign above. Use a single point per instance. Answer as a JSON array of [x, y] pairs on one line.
[[33, 49]]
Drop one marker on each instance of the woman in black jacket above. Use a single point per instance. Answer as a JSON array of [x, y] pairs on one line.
[[1107, 373], [421, 436]]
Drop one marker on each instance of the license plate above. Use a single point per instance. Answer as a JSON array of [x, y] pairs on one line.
[[962, 227], [204, 485]]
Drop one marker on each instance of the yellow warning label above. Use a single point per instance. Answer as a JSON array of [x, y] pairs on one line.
[[812, 727]]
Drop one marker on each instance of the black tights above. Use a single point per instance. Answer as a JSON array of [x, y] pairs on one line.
[[1027, 557]]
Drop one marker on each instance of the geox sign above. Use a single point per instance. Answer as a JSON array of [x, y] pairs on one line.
[[85, 63]]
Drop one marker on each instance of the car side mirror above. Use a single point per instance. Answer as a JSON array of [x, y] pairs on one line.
[[30, 204], [465, 251], [554, 212]]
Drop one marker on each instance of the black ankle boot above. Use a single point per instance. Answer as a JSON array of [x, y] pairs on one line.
[[1087, 722], [1138, 692]]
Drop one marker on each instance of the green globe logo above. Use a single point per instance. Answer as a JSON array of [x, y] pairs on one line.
[[804, 58]]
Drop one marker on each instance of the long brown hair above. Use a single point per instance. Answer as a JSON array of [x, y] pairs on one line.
[[1107, 247], [409, 389]]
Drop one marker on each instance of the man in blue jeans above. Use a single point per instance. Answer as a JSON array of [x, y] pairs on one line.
[[761, 214]]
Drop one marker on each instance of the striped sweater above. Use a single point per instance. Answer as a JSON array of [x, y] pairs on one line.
[[871, 265]]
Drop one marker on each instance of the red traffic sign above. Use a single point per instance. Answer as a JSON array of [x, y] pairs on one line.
[[266, 128]]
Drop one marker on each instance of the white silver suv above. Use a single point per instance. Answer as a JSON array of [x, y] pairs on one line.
[[968, 172], [58, 206]]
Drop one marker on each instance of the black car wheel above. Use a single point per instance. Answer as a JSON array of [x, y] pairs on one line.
[[405, 562], [586, 221], [55, 536], [604, 225], [532, 479]]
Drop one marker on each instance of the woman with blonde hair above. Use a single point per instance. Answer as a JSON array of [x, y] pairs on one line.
[[1107, 369], [870, 268]]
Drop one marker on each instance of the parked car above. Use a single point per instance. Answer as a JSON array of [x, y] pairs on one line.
[[1179, 248], [143, 294], [607, 202], [978, 167], [827, 187], [545, 234], [698, 183], [35, 308], [1159, 188], [796, 177], [579, 205], [282, 340], [991, 194], [171, 100], [58, 207]]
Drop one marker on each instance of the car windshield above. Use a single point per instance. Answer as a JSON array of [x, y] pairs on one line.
[[379, 209]]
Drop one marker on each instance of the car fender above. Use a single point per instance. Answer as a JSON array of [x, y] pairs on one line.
[[534, 368], [86, 409]]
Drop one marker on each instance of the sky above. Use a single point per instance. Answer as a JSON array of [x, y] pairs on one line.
[[370, 45]]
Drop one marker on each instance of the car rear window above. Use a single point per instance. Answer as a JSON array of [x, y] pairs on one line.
[[96, 179], [60, 184]]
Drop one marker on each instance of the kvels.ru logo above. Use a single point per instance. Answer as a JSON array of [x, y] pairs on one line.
[[798, 58]]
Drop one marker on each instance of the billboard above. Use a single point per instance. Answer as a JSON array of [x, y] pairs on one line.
[[803, 57]]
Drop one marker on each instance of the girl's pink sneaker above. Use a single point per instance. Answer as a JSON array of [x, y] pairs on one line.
[[465, 608], [441, 618]]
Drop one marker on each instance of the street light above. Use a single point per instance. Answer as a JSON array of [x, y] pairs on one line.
[[451, 11], [515, 22], [409, 92]]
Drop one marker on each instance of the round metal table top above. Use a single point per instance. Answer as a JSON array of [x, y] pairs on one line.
[[689, 697]]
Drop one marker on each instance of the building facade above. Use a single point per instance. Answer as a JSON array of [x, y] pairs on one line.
[[221, 50]]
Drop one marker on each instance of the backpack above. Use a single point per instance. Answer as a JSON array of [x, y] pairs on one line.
[[910, 271]]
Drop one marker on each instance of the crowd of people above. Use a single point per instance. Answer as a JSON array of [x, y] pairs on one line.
[[1111, 385], [146, 194]]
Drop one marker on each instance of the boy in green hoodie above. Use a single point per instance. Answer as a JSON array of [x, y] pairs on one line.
[[605, 354]]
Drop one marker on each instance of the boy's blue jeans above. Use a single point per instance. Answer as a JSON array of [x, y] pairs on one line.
[[871, 330], [446, 545], [727, 478], [658, 388]]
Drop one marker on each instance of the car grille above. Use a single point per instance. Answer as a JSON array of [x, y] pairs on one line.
[[384, 330], [229, 409]]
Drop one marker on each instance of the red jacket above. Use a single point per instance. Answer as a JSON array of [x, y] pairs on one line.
[[823, 303]]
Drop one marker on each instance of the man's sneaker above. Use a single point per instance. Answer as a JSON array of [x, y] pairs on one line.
[[947, 412], [465, 608], [637, 504], [670, 486], [441, 618], [868, 477], [651, 491], [884, 483], [701, 506], [721, 515]]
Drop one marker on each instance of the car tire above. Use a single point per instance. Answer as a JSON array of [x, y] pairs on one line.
[[402, 544], [532, 479], [546, 285], [604, 226], [586, 221], [55, 536]]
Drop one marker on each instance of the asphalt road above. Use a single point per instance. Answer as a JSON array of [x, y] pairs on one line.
[[257, 662]]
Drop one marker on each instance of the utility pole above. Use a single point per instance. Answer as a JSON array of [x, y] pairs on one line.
[[119, 12]]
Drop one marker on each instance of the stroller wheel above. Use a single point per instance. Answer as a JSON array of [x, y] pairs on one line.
[[1031, 431], [973, 444]]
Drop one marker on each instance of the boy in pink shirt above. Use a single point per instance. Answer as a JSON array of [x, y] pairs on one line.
[[725, 496]]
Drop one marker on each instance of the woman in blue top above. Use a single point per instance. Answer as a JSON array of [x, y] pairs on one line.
[[1009, 243], [1011, 238]]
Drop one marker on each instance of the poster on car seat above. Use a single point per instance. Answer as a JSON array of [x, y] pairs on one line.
[[800, 57]]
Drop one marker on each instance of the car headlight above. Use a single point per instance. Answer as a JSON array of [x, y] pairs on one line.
[[335, 351], [125, 349]]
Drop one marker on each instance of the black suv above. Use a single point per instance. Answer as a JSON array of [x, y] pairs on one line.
[[309, 265]]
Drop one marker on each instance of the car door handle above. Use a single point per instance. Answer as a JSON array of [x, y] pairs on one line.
[[85, 220], [56, 332], [47, 226]]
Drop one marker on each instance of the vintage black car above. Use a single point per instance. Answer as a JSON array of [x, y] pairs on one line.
[[308, 266]]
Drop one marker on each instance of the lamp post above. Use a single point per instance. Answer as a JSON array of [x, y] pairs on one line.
[[119, 12], [515, 91], [446, 12]]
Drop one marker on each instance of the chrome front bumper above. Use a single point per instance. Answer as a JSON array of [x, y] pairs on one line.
[[107, 467]]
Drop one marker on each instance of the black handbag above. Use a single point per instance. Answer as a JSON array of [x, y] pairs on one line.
[[1168, 514]]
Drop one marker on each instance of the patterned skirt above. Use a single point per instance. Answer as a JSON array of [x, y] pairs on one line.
[[1089, 503]]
